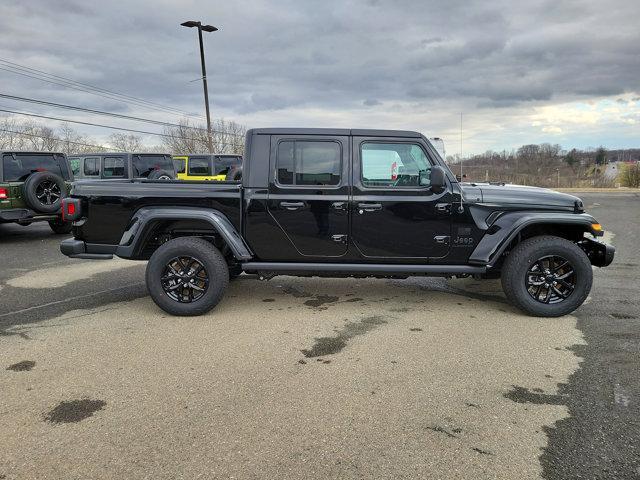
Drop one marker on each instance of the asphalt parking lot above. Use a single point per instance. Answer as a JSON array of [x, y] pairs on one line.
[[315, 378]]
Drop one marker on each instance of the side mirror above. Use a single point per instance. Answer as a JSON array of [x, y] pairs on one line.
[[437, 179]]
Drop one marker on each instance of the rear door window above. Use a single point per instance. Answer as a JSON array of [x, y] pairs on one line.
[[113, 167], [19, 166], [306, 162], [199, 166], [91, 167], [143, 165]]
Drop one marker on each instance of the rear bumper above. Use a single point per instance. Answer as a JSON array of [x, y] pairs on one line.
[[15, 214], [600, 254], [73, 248]]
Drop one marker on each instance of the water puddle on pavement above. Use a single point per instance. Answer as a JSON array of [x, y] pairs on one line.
[[74, 411], [330, 345]]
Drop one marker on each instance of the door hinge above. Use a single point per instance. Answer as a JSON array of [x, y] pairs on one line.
[[339, 238], [442, 239]]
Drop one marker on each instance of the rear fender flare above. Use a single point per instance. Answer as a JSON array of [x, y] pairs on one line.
[[132, 241], [507, 226]]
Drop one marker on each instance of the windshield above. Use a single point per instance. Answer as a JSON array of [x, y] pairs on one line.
[[143, 165], [19, 166]]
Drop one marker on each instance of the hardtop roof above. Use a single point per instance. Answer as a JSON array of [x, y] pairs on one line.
[[335, 132]]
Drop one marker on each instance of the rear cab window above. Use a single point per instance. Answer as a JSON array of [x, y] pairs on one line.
[[17, 167], [143, 165]]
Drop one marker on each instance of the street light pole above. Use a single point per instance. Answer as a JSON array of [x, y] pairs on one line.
[[206, 28]]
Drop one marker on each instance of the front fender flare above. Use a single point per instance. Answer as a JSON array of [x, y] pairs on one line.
[[507, 226], [132, 239]]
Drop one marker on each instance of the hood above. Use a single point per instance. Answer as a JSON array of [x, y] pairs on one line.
[[517, 195]]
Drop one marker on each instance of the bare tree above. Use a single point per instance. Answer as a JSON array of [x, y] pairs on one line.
[[126, 143], [228, 137]]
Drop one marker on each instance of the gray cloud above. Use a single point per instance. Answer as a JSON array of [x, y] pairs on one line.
[[336, 55]]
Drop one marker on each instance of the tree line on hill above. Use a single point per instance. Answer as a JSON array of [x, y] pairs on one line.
[[549, 165]]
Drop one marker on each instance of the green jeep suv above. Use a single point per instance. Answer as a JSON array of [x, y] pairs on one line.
[[32, 186]]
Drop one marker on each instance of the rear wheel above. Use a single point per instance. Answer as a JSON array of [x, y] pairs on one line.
[[547, 276], [187, 276]]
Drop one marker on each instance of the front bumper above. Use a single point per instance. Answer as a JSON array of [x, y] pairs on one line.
[[73, 248], [600, 254]]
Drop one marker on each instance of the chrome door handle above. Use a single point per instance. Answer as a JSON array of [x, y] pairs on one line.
[[292, 205]]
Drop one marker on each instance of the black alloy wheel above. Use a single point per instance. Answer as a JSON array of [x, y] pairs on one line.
[[551, 279], [185, 279], [547, 276], [48, 192]]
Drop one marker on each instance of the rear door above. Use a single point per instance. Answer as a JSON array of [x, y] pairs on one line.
[[309, 193], [393, 214]]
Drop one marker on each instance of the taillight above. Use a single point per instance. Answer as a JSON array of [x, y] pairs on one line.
[[70, 209], [4, 193]]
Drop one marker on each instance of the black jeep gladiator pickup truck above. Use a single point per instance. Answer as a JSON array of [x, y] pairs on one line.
[[332, 202]]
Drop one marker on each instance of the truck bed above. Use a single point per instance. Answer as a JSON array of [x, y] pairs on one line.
[[111, 204]]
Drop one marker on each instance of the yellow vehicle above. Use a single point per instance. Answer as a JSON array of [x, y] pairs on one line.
[[217, 168]]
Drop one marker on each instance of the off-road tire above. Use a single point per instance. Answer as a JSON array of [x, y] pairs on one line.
[[59, 227], [32, 183], [523, 257], [205, 253]]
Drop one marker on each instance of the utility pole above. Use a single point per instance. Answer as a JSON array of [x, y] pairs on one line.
[[206, 28]]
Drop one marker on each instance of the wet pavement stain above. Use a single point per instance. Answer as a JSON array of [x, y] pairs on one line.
[[472, 405], [23, 366], [330, 345], [296, 292], [415, 329], [74, 411], [439, 429], [321, 300], [622, 316], [354, 299], [524, 395], [482, 452], [268, 299]]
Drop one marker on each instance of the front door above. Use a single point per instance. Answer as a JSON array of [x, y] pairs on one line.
[[395, 214], [309, 194]]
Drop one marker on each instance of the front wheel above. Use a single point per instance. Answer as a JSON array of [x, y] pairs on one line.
[[547, 276], [187, 276]]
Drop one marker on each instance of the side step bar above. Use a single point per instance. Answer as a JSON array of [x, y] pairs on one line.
[[362, 268]]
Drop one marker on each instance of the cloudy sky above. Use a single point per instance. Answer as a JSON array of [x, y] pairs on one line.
[[530, 71]]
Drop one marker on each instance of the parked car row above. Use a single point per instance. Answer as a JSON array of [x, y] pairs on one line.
[[33, 184]]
